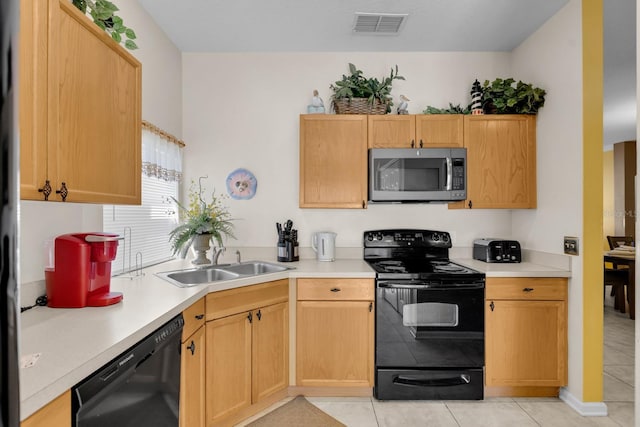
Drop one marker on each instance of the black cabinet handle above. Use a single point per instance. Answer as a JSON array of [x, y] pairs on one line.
[[250, 317], [199, 316], [470, 205], [492, 306], [63, 192], [413, 144], [527, 290], [335, 289], [420, 143], [370, 307], [259, 314], [192, 347], [46, 190]]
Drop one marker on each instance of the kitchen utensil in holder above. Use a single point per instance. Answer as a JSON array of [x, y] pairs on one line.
[[287, 242]]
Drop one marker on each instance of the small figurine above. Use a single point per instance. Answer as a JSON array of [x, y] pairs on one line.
[[404, 105], [476, 98], [317, 105]]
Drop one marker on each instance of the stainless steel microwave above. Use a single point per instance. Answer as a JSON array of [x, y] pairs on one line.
[[417, 174]]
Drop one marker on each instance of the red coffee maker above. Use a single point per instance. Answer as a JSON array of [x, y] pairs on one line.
[[81, 273]]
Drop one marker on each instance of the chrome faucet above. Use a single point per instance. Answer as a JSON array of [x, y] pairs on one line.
[[216, 254], [238, 256]]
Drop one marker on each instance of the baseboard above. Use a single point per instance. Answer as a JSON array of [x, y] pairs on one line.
[[331, 391], [586, 409]]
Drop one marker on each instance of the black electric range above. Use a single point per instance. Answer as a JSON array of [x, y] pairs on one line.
[[429, 317]]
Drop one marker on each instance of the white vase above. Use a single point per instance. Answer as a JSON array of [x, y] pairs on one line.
[[200, 245]]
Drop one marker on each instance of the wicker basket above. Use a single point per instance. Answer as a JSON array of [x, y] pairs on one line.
[[359, 106]]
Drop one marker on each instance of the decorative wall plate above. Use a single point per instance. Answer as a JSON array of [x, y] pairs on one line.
[[241, 184]]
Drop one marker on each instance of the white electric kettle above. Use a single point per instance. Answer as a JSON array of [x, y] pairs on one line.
[[324, 244]]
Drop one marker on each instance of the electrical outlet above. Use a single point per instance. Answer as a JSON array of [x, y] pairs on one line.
[[570, 245]]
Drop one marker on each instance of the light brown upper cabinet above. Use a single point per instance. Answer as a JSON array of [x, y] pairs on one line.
[[333, 161], [421, 130], [501, 162], [80, 109]]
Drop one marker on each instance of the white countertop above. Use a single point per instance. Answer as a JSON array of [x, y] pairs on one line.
[[73, 343]]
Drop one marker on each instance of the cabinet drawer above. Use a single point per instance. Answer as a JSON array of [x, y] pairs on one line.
[[336, 289], [232, 301], [193, 318], [529, 288]]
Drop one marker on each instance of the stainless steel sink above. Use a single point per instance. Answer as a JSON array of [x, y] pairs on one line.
[[216, 273], [253, 268]]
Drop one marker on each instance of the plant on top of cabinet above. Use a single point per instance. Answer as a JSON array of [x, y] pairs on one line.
[[356, 94], [502, 97], [453, 109], [103, 14]]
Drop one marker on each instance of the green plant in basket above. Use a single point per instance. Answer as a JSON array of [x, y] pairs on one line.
[[200, 218], [356, 85]]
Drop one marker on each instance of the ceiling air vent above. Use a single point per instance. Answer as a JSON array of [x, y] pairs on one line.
[[379, 23]]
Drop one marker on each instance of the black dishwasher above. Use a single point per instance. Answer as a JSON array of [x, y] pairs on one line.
[[141, 387]]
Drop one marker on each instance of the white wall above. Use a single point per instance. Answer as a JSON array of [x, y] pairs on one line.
[[552, 58], [161, 105], [242, 110]]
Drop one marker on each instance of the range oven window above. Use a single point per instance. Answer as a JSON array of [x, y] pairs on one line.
[[430, 314]]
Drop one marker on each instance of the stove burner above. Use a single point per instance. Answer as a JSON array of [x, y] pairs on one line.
[[448, 268]]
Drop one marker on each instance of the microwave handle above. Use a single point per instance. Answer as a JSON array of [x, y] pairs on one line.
[[449, 184]]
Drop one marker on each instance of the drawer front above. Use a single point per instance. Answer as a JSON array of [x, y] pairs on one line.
[[232, 301], [336, 289], [526, 288], [193, 318]]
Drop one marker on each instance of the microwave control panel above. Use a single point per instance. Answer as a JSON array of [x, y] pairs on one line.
[[457, 174]]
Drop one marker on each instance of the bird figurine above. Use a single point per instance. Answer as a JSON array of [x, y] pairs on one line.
[[317, 104], [404, 105]]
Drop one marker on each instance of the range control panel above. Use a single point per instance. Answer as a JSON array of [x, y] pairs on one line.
[[406, 238]]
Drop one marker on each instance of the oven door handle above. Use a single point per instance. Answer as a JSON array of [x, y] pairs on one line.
[[396, 285], [435, 382]]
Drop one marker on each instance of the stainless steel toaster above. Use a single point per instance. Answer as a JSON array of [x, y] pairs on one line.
[[497, 250]]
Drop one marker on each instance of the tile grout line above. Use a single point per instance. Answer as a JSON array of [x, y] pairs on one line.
[[446, 405], [528, 414], [374, 411]]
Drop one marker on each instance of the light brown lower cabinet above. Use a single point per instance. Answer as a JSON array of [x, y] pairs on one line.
[[55, 414], [192, 369], [247, 340], [525, 336], [335, 333]]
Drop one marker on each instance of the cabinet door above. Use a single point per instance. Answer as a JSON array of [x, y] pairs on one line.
[[192, 380], [34, 24], [335, 343], [55, 414], [95, 112], [270, 350], [526, 343], [440, 130], [501, 161], [333, 161], [228, 367], [389, 131]]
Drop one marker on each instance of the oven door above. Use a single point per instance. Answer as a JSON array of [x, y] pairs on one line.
[[429, 340]]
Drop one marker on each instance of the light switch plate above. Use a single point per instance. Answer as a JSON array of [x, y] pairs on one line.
[[570, 245]]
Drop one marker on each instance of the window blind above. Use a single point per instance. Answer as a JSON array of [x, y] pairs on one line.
[[145, 228]]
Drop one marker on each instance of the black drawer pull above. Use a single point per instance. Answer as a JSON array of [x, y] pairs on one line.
[[335, 290], [527, 290], [199, 316]]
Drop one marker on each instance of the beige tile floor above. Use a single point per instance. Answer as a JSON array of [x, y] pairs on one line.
[[507, 412]]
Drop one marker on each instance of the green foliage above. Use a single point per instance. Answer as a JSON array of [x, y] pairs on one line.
[[356, 85], [200, 217], [103, 14], [457, 109], [502, 97]]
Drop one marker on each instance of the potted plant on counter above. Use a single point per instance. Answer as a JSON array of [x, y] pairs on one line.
[[200, 222], [356, 94]]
